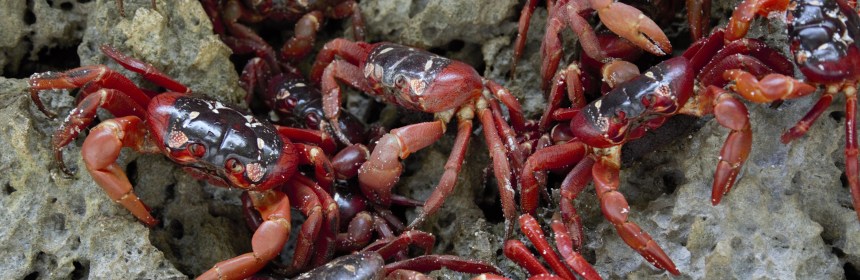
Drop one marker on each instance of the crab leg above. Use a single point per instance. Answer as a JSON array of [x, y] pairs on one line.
[[350, 9], [325, 244], [575, 181], [803, 124], [771, 88], [452, 166], [501, 166], [428, 263], [315, 137], [522, 32], [323, 171], [358, 233], [100, 151], [515, 110], [261, 50], [852, 167], [146, 70], [567, 14], [775, 87], [567, 82], [390, 247], [304, 36], [331, 91], [744, 13], [553, 157], [266, 243], [731, 113], [94, 75], [116, 102], [516, 251], [378, 175], [532, 230], [616, 209], [490, 276], [306, 200], [699, 16], [571, 257], [352, 52]]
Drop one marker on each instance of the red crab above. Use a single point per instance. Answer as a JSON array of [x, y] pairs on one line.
[[622, 19], [298, 103], [359, 219], [824, 42], [426, 82], [370, 262], [208, 139], [307, 15], [640, 103]]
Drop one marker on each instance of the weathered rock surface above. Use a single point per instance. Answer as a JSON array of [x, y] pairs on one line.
[[788, 217], [33, 27], [59, 227], [429, 24], [92, 236]]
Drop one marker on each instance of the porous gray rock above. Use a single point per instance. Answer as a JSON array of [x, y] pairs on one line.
[[34, 27], [59, 227], [176, 38], [92, 236], [428, 24], [788, 217]]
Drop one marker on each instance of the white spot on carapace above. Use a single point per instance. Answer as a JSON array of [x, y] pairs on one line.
[[176, 139], [428, 65], [254, 171], [368, 69], [283, 94], [597, 103], [300, 84], [350, 268], [377, 72], [417, 86], [260, 143], [649, 74], [193, 115], [385, 50]]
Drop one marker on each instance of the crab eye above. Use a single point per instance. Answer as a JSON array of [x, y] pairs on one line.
[[234, 166], [312, 118], [399, 81], [196, 150], [619, 116]]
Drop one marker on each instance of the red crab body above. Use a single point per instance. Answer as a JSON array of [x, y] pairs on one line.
[[179, 121], [590, 143], [425, 82], [626, 113], [824, 42], [209, 140], [418, 80]]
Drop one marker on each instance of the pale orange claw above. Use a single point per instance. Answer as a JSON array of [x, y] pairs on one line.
[[631, 24], [745, 12]]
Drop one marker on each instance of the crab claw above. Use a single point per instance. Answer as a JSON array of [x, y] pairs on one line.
[[631, 24]]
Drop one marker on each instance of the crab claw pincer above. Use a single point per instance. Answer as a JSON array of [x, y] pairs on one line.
[[631, 24]]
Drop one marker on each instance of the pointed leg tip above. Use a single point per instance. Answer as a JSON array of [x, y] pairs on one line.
[[715, 201], [673, 270], [417, 222]]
